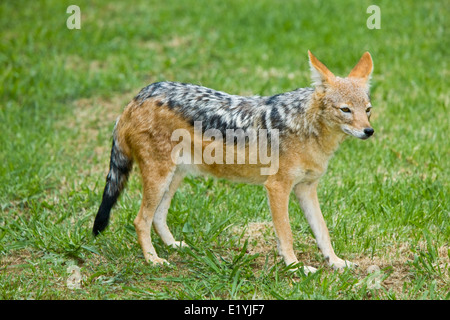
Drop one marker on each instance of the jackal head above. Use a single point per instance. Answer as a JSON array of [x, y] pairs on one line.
[[345, 101]]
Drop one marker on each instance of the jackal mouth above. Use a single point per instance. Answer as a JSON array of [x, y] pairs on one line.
[[360, 134]]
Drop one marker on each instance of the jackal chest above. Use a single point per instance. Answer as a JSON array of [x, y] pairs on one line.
[[308, 172]]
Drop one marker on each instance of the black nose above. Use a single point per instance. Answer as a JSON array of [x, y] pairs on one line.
[[369, 131]]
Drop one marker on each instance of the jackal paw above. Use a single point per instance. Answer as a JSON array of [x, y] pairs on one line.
[[339, 264], [158, 261], [179, 244], [306, 269]]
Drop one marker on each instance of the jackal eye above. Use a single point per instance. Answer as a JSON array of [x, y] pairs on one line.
[[345, 109], [368, 110]]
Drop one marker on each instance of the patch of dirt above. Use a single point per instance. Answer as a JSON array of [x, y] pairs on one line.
[[397, 262], [16, 259], [394, 262], [260, 235], [97, 113], [94, 119], [75, 62]]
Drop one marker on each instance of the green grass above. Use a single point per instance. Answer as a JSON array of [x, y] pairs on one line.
[[385, 200]]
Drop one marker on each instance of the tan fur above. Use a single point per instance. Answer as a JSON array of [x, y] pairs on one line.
[[144, 133]]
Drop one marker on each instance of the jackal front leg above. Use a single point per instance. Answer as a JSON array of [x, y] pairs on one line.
[[307, 196], [278, 194]]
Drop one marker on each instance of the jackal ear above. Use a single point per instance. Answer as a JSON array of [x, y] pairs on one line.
[[320, 75], [363, 69]]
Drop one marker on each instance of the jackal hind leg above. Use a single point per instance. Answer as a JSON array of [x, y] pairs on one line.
[[160, 218], [156, 178]]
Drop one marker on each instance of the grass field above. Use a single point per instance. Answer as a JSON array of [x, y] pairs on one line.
[[385, 200]]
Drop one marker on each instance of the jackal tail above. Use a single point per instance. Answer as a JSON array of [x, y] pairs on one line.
[[119, 169]]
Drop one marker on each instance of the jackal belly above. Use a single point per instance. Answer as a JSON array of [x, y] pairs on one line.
[[235, 173]]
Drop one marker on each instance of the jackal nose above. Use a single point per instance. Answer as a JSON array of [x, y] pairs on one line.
[[369, 131]]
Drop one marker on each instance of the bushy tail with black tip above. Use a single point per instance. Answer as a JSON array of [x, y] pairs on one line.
[[119, 169]]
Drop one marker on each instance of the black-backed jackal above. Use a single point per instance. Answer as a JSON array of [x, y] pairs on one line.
[[302, 129]]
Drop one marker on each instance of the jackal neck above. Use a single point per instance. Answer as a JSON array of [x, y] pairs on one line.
[[318, 128]]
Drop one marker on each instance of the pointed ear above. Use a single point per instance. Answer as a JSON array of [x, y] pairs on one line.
[[363, 68], [320, 74]]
